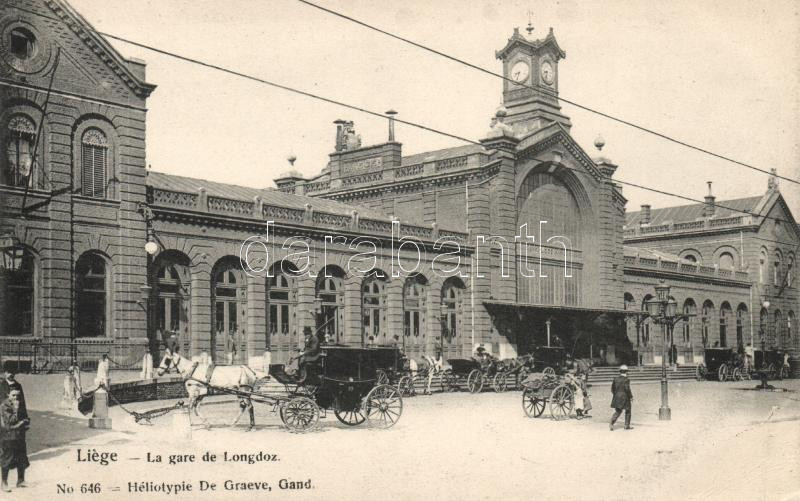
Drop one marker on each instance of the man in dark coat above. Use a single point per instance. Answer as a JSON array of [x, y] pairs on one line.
[[9, 382], [622, 396], [14, 422]]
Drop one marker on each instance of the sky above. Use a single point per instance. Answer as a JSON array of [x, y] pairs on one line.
[[721, 75]]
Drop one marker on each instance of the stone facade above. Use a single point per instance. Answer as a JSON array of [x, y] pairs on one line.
[[74, 228]]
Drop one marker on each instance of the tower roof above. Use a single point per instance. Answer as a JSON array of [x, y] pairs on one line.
[[534, 45]]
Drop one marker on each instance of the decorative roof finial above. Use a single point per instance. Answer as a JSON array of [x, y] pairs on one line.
[[772, 183], [291, 158], [599, 142], [529, 29]]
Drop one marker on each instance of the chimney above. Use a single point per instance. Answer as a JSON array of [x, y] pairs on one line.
[[708, 208], [391, 114], [645, 218], [339, 134]]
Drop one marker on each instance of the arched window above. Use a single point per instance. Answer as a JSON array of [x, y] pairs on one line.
[[779, 330], [762, 266], [280, 293], [17, 292], [791, 324], [171, 289], [21, 138], [705, 319], [726, 261], [414, 307], [690, 257], [763, 325], [330, 293], [92, 303], [373, 309], [741, 319], [647, 322], [229, 296], [94, 168], [689, 308], [790, 271], [725, 312], [776, 270], [452, 310]]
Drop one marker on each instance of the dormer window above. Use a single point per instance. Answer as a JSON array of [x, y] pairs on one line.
[[94, 151], [22, 43]]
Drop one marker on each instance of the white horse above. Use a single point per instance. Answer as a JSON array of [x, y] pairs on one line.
[[199, 376]]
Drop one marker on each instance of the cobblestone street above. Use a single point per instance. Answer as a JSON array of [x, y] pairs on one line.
[[461, 446]]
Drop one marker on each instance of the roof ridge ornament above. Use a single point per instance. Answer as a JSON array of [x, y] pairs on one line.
[[772, 183]]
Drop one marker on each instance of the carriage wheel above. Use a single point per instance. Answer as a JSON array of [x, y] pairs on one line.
[[449, 381], [533, 406], [736, 375], [383, 406], [350, 417], [700, 372], [406, 386], [522, 375], [549, 371], [381, 377], [499, 382], [722, 372], [561, 402], [300, 414], [475, 381], [771, 370]]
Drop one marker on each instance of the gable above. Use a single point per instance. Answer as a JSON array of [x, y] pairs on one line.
[[779, 224], [87, 65]]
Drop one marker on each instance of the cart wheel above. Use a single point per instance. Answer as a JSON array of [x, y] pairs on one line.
[[383, 406], [381, 377], [561, 402], [300, 414], [475, 381], [533, 407], [499, 382], [549, 371], [736, 375], [522, 375], [353, 417], [722, 372], [700, 372], [771, 370], [406, 386]]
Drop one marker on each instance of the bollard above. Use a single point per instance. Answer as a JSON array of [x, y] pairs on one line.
[[100, 419], [181, 425]]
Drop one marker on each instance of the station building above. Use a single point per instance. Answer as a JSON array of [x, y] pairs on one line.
[[515, 242]]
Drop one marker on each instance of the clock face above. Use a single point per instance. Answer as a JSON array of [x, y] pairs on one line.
[[547, 72], [519, 72]]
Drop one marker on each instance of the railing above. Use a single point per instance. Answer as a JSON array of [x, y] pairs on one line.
[[36, 355], [635, 261], [686, 226]]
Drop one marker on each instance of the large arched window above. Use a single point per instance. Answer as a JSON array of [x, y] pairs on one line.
[[281, 299], [689, 308], [330, 294], [414, 307], [21, 138], [171, 291], [741, 319], [373, 308], [705, 321], [94, 159], [17, 292], [92, 303], [229, 296], [762, 266], [726, 261], [725, 313], [452, 312]]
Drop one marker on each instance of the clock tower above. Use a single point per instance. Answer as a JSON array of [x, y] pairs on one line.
[[530, 93]]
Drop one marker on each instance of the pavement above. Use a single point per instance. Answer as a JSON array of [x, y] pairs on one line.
[[725, 441]]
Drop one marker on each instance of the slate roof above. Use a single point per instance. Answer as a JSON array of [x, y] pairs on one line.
[[429, 156], [270, 196], [692, 212]]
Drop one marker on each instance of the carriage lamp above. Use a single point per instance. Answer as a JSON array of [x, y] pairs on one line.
[[672, 308]]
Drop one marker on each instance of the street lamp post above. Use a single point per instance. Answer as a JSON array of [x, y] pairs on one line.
[[664, 311]]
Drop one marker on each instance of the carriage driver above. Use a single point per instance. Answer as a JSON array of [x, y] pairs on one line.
[[310, 354]]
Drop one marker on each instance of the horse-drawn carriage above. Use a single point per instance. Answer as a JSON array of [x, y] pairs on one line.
[[512, 372], [723, 364], [350, 382], [551, 359], [470, 370], [771, 361], [547, 389], [344, 380]]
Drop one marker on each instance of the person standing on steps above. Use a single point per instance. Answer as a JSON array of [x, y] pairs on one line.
[[621, 398]]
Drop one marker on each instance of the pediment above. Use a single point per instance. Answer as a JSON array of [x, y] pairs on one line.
[[556, 136]]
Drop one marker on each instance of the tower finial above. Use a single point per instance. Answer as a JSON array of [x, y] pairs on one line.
[[529, 29]]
